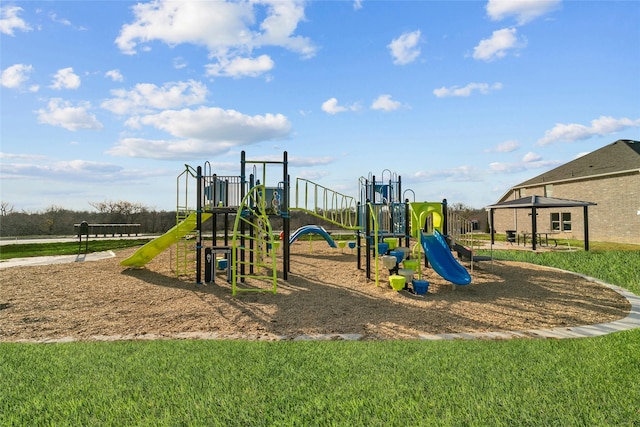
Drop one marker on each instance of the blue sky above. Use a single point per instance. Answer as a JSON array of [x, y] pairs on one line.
[[108, 100]]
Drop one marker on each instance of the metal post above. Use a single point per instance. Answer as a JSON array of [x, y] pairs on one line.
[[199, 226], [284, 211], [368, 238], [407, 219], [445, 221], [534, 226], [586, 228]]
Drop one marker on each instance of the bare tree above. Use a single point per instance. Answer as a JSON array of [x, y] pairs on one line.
[[6, 208], [120, 211]]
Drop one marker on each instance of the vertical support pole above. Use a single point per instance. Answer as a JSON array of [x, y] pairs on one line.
[[445, 219], [372, 199], [226, 228], [226, 215], [286, 226], [368, 238], [359, 234], [199, 195], [491, 230], [213, 189], [534, 227], [407, 222], [243, 183], [253, 218], [586, 228]]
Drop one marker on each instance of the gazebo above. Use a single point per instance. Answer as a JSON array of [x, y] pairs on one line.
[[539, 202]]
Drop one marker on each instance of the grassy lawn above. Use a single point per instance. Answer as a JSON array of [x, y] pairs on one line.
[[518, 382], [580, 382], [620, 268], [25, 250]]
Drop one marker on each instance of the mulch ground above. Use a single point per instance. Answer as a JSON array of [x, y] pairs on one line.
[[325, 294]]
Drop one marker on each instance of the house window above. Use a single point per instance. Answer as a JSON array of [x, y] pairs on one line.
[[561, 221], [548, 190], [566, 221]]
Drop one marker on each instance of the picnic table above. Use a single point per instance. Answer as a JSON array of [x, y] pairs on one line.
[[107, 229], [542, 238]]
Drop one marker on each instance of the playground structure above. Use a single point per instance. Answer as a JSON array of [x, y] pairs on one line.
[[244, 207]]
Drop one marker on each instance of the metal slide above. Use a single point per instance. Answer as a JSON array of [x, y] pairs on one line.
[[149, 251]]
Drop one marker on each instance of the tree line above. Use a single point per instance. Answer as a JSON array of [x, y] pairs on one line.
[[58, 221]]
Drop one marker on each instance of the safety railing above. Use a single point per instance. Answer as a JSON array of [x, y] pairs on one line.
[[325, 203]]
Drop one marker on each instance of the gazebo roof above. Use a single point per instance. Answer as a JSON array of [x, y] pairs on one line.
[[540, 202]]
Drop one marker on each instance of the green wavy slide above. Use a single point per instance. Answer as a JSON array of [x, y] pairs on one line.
[[149, 251]]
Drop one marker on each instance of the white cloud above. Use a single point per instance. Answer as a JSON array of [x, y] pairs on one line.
[[15, 76], [146, 97], [54, 17], [384, 102], [529, 161], [20, 156], [523, 10], [357, 4], [65, 78], [531, 157], [64, 114], [498, 45], [404, 49], [226, 29], [10, 21], [239, 67], [604, 125], [330, 106], [69, 170], [202, 132], [310, 161], [458, 174], [114, 75], [179, 63], [315, 174], [483, 88], [504, 147]]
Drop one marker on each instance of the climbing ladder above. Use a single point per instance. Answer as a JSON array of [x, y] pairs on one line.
[[252, 256]]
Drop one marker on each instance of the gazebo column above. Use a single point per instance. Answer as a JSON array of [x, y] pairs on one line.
[[491, 229], [586, 228], [534, 226]]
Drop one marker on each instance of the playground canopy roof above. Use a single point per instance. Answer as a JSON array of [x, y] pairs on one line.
[[539, 202]]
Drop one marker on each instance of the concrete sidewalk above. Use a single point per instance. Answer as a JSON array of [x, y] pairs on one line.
[[70, 239], [62, 259]]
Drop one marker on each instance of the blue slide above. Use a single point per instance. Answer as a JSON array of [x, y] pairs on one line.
[[442, 259], [315, 229]]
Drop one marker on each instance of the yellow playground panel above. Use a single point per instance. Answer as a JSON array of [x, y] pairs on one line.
[[421, 213]]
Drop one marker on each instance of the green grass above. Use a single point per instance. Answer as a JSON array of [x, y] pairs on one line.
[[572, 382], [25, 250], [620, 268], [483, 238], [580, 382]]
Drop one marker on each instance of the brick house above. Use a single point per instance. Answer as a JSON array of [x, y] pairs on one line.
[[608, 177]]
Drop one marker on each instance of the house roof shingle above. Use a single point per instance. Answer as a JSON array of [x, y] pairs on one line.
[[622, 155]]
